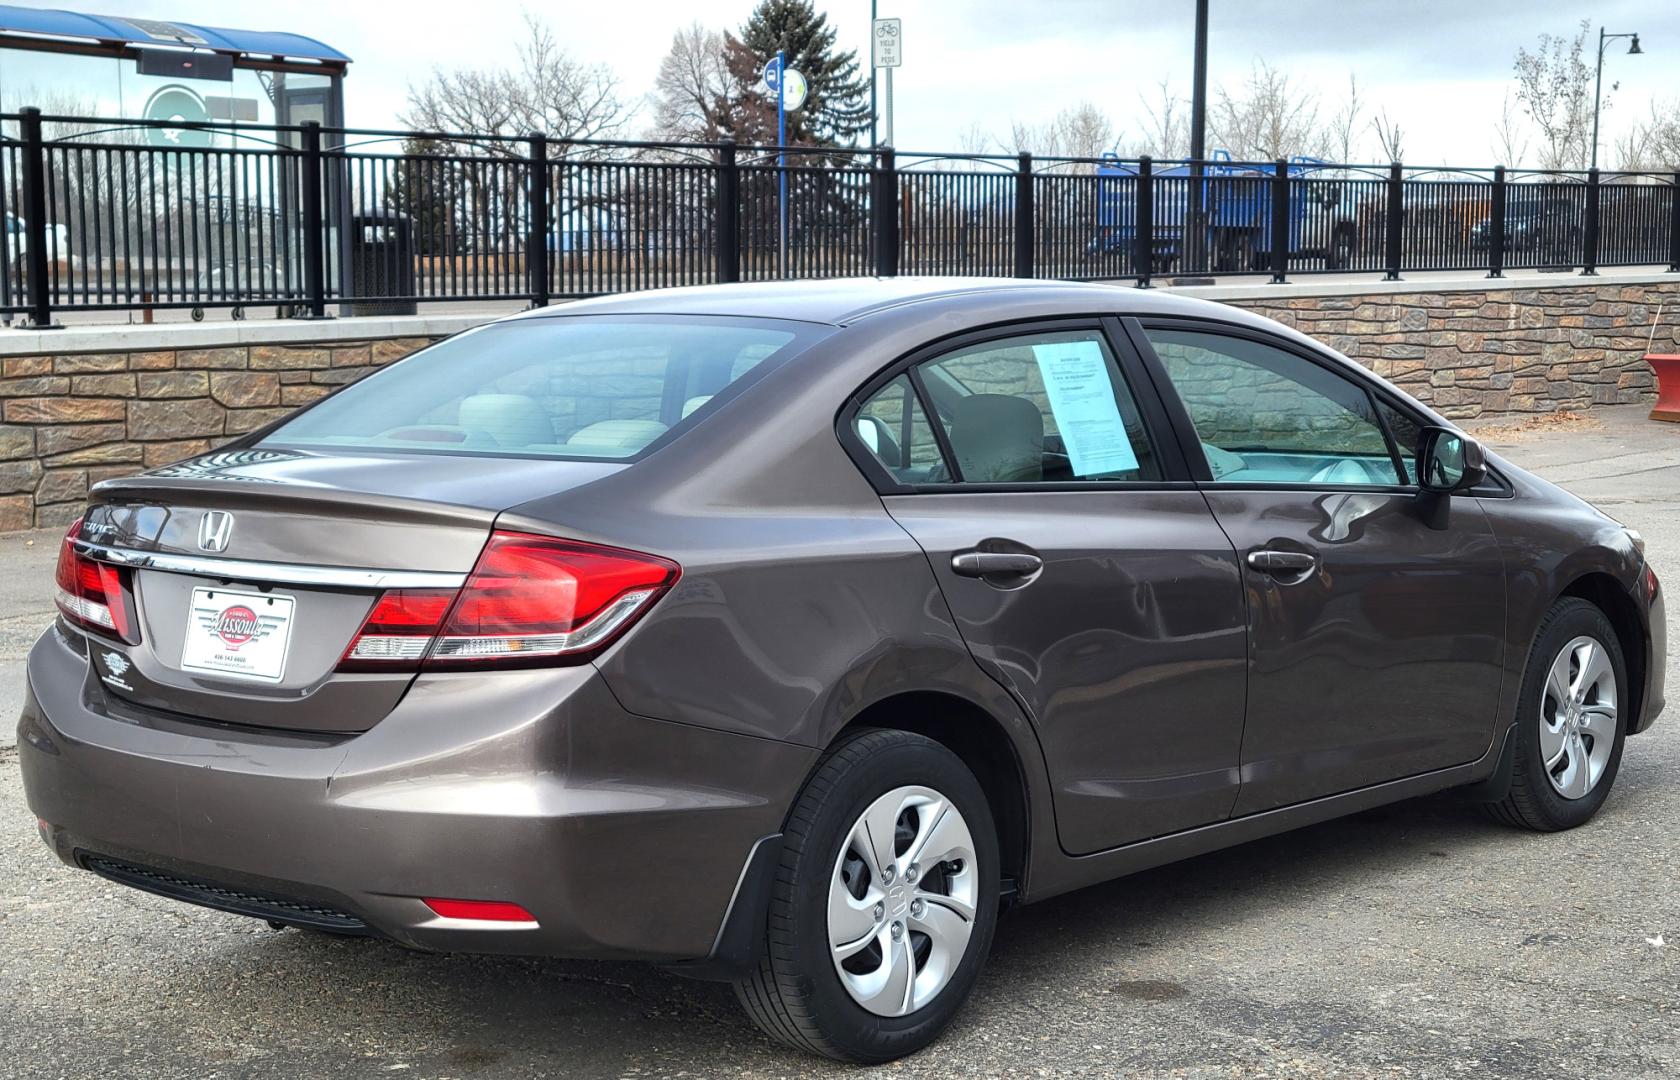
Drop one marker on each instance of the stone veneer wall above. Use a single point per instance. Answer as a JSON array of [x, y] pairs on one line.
[[73, 420], [1522, 350]]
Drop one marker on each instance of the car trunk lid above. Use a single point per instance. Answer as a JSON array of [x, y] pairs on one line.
[[250, 572]]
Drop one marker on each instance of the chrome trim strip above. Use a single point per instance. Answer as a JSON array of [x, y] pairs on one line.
[[343, 577]]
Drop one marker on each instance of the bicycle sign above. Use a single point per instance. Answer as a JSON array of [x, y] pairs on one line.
[[888, 42]]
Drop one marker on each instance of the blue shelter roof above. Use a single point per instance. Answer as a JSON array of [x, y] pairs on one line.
[[123, 30]]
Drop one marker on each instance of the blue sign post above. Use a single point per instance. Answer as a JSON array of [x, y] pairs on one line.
[[774, 79]]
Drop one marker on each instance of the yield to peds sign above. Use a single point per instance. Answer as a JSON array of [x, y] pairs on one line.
[[888, 43]]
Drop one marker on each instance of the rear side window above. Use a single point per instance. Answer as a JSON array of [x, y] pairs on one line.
[[565, 387], [896, 430], [1047, 407]]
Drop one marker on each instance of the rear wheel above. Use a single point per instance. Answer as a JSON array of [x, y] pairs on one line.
[[1570, 722], [884, 903]]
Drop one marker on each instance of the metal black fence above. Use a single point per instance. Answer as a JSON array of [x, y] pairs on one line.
[[123, 214]]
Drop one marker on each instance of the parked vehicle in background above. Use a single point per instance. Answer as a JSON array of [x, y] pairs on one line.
[[1540, 222], [17, 248], [786, 633], [1236, 207]]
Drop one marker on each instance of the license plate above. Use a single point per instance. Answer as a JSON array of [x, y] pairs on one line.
[[239, 634]]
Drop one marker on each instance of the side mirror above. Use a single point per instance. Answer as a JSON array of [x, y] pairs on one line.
[[1449, 461]]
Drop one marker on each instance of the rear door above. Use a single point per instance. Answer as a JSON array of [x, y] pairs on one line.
[[1376, 616], [1083, 568]]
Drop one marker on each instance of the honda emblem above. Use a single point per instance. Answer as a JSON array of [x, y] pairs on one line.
[[215, 529]]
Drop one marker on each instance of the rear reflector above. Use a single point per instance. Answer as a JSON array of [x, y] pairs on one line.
[[479, 910], [91, 594], [530, 600]]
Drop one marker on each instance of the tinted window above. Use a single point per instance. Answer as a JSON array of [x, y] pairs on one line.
[[1048, 408], [894, 427], [1267, 415], [587, 387]]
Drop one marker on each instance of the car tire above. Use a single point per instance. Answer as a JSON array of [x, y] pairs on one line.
[[1546, 794], [800, 994]]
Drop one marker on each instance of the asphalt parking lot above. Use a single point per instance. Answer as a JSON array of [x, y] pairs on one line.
[[1419, 940]]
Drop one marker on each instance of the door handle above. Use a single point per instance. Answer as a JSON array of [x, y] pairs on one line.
[[1273, 561], [1001, 563]]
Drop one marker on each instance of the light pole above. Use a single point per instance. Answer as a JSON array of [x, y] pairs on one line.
[[1598, 81]]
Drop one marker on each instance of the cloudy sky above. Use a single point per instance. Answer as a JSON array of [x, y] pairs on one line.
[[1439, 67]]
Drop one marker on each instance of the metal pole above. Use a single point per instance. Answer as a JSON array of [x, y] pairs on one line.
[[728, 250], [1394, 220], [536, 249], [874, 75], [1195, 230], [781, 162], [1598, 87], [1280, 222], [314, 232], [1143, 223], [884, 207], [889, 140], [37, 288], [1023, 216], [1589, 235], [1496, 225]]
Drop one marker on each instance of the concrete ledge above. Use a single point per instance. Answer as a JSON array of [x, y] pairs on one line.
[[1257, 288], [171, 337]]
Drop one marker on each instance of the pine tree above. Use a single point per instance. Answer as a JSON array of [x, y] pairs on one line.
[[836, 108]]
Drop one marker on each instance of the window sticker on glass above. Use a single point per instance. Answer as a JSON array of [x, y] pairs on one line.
[[1081, 396]]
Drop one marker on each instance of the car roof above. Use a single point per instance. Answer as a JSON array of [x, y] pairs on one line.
[[843, 301]]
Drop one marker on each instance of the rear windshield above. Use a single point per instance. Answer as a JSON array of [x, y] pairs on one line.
[[566, 387]]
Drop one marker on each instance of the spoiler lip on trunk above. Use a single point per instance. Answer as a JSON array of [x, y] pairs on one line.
[[279, 573]]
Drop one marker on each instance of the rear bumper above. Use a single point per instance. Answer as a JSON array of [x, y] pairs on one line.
[[624, 836]]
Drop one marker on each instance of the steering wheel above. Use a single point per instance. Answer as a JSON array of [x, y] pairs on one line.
[[1350, 471]]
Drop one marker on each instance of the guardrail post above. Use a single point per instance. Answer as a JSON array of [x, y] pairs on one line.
[[1280, 222], [1496, 225], [1589, 231], [883, 208], [35, 233], [1143, 223], [1393, 221], [1024, 216], [728, 246], [1674, 224], [536, 245], [314, 233]]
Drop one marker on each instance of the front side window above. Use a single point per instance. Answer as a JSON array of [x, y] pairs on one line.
[[594, 387], [1039, 408], [1266, 415]]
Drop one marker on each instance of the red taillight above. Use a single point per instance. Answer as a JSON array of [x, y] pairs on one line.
[[90, 594], [479, 910], [529, 600], [398, 631]]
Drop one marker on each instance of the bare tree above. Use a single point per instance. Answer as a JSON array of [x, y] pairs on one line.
[[545, 90], [1651, 144], [1390, 136], [1266, 117], [1081, 130], [696, 96], [1347, 124], [1555, 88], [1168, 134], [1510, 141]]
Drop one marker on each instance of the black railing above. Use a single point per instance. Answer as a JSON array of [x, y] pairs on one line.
[[122, 214]]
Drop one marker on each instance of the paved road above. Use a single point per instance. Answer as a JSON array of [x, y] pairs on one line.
[[1414, 941]]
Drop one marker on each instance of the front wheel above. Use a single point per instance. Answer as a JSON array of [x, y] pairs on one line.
[[1570, 722], [883, 906]]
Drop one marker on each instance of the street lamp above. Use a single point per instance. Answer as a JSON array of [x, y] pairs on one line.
[[1598, 82]]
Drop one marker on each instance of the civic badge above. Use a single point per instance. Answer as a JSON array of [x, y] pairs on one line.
[[215, 529]]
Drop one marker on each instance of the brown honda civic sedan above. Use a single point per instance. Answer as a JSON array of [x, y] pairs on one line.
[[787, 633]]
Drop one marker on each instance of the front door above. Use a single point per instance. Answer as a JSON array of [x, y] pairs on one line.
[[1083, 569], [1376, 615]]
